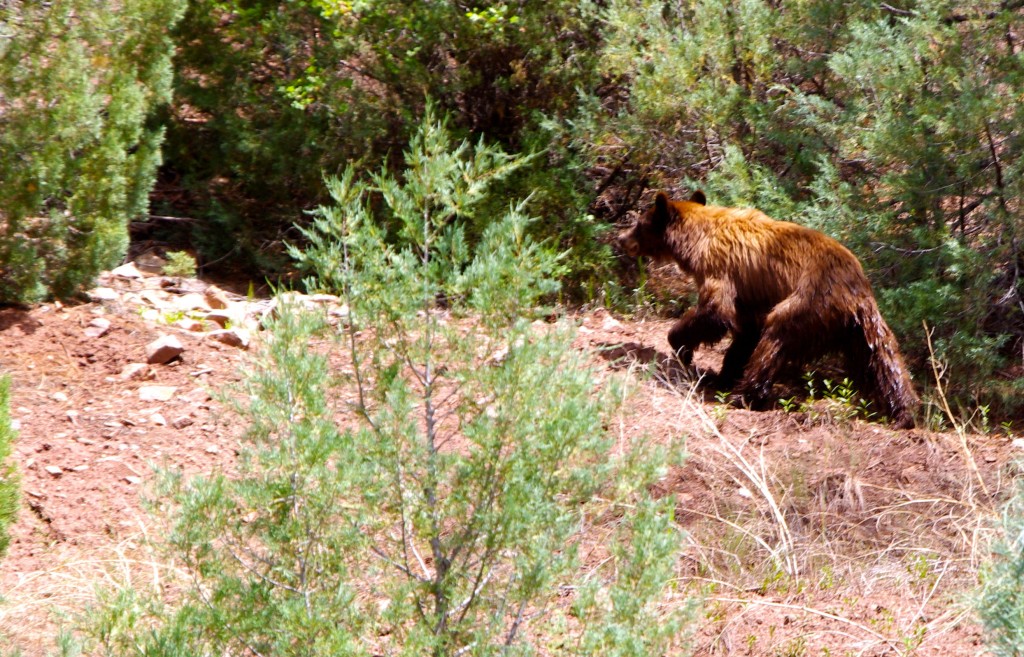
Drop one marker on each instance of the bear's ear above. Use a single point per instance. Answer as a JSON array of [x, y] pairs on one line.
[[698, 197], [662, 209]]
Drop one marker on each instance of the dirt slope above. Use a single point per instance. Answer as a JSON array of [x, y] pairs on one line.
[[810, 532]]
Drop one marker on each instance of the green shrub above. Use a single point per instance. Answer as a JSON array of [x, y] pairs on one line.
[[895, 130], [423, 491], [270, 96], [9, 480], [1001, 605], [79, 86], [180, 263]]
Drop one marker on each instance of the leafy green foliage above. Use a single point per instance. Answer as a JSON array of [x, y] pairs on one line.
[[269, 96], [78, 153], [1001, 605], [180, 263], [9, 481], [895, 128], [427, 495]]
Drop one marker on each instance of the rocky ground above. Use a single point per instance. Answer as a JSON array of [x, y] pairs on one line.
[[809, 531]]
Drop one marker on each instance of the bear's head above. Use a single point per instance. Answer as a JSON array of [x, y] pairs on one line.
[[647, 236]]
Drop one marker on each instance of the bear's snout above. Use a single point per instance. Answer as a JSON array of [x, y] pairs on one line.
[[628, 243]]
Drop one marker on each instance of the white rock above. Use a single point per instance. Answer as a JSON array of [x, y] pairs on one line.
[[150, 315], [135, 371], [189, 324], [97, 328], [103, 294], [611, 324], [157, 393], [156, 298], [163, 349], [327, 299], [127, 270], [191, 301], [54, 470]]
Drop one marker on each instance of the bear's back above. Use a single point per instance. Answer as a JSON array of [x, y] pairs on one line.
[[766, 259]]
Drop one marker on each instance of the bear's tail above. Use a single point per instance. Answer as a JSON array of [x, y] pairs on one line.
[[884, 370]]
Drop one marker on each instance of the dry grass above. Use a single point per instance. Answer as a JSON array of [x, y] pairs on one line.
[[816, 551]]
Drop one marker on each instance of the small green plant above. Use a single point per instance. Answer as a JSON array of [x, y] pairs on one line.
[[913, 641], [1001, 600], [827, 577], [794, 648], [9, 481], [920, 568], [172, 316], [838, 401], [180, 264]]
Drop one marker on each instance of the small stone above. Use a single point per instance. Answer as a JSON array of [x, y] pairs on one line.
[[103, 294], [59, 397], [182, 422], [327, 299], [217, 298], [233, 337], [191, 301], [212, 449], [54, 470], [150, 315], [127, 270], [150, 262], [133, 480], [219, 316], [135, 371], [157, 393], [97, 328], [158, 420], [189, 324], [341, 312], [156, 298], [233, 315], [163, 349], [611, 324]]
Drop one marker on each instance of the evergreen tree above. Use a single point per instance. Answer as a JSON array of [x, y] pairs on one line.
[[79, 85]]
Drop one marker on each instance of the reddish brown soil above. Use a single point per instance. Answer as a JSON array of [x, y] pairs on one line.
[[876, 533]]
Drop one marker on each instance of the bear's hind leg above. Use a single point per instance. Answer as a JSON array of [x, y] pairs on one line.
[[784, 342], [738, 355]]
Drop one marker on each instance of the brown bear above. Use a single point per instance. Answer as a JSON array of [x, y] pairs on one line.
[[786, 293]]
